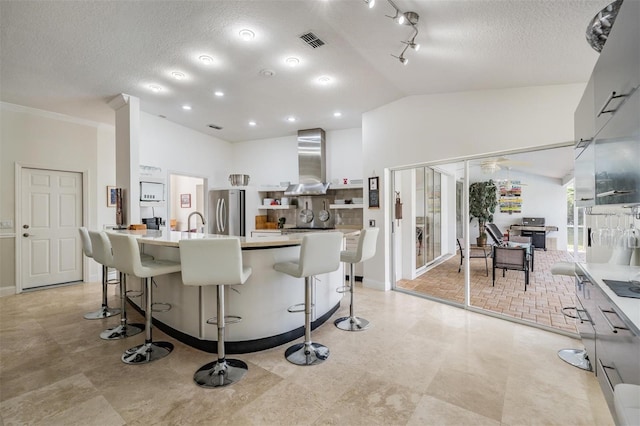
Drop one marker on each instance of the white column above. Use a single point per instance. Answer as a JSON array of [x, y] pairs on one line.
[[127, 110]]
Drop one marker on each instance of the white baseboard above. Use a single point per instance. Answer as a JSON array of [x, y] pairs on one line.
[[7, 291], [376, 285]]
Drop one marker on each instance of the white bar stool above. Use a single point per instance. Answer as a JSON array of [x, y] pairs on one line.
[[366, 249], [126, 257], [216, 261], [103, 254], [105, 311], [319, 254]]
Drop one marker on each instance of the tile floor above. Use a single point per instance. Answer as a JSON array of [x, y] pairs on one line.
[[421, 363], [542, 303]]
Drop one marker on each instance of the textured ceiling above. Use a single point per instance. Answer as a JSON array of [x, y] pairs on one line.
[[73, 57]]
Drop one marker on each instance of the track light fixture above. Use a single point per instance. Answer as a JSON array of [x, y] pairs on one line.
[[403, 18]]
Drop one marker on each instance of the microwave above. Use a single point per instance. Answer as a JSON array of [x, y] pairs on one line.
[[151, 191]]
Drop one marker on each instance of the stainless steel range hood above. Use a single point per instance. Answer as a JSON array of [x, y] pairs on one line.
[[312, 171]]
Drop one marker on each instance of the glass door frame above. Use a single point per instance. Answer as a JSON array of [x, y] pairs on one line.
[[466, 231]]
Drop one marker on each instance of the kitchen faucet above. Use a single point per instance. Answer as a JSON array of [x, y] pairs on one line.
[[189, 220]]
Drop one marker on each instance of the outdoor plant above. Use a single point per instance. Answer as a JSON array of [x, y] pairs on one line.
[[483, 200]]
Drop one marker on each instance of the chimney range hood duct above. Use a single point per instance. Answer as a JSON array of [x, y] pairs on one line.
[[311, 164]]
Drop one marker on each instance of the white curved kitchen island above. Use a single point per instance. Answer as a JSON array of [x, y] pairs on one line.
[[262, 301]]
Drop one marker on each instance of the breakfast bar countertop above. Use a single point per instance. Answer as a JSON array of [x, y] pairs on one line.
[[172, 238]]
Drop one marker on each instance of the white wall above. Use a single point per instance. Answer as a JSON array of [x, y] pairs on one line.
[[42, 139], [34, 138], [427, 128], [541, 197], [271, 161]]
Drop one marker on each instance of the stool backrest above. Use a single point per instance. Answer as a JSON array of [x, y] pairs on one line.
[[86, 242], [101, 247], [367, 244], [211, 261], [320, 253], [126, 254]]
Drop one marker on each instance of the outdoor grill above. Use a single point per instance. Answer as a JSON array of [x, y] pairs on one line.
[[535, 228]]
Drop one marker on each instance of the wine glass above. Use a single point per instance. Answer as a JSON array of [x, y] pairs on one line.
[[631, 237], [604, 232], [616, 232]]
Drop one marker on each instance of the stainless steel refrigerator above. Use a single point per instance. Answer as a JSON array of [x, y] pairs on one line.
[[227, 212]]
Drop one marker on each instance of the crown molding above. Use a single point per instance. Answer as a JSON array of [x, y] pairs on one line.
[[53, 115]]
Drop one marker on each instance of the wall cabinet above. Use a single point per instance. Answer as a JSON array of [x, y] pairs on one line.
[[617, 156], [617, 72], [607, 129]]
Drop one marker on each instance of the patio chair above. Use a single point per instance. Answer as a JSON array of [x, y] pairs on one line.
[[520, 241], [512, 258], [474, 253], [495, 234]]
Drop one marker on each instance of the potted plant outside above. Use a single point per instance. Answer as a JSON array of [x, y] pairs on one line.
[[483, 200]]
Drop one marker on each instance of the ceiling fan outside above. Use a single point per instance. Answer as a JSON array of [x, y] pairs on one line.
[[492, 165]]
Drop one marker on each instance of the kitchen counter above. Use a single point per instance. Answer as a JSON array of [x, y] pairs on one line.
[[171, 239], [629, 308], [262, 301]]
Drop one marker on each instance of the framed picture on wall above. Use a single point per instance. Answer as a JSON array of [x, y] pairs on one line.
[[111, 196], [374, 192], [185, 201]]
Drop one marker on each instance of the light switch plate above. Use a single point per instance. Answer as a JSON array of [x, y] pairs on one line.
[[6, 224]]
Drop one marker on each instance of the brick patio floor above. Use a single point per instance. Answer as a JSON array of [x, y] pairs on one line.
[[542, 303]]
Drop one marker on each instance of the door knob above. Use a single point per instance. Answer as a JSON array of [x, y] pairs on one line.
[[25, 226], [26, 234]]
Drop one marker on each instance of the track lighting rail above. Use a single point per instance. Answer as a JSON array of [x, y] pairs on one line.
[[403, 18]]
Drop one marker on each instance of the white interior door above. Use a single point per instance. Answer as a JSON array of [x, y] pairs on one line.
[[51, 250]]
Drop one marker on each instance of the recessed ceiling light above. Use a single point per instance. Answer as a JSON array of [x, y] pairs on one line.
[[178, 75], [267, 73], [206, 59], [252, 123], [337, 114], [186, 107], [291, 119], [324, 80], [155, 88], [292, 61], [247, 35], [218, 93]]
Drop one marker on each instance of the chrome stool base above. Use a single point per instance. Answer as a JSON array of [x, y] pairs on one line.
[[146, 353], [576, 357], [352, 323], [104, 312], [122, 332], [216, 374], [307, 353]]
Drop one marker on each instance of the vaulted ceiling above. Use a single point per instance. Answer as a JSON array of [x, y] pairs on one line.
[[73, 57]]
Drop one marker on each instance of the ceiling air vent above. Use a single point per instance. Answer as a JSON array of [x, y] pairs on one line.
[[312, 40], [214, 126]]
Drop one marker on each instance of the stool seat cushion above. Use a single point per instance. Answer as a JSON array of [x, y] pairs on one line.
[[212, 261], [127, 258], [563, 268], [365, 249], [626, 400], [289, 268], [319, 254]]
